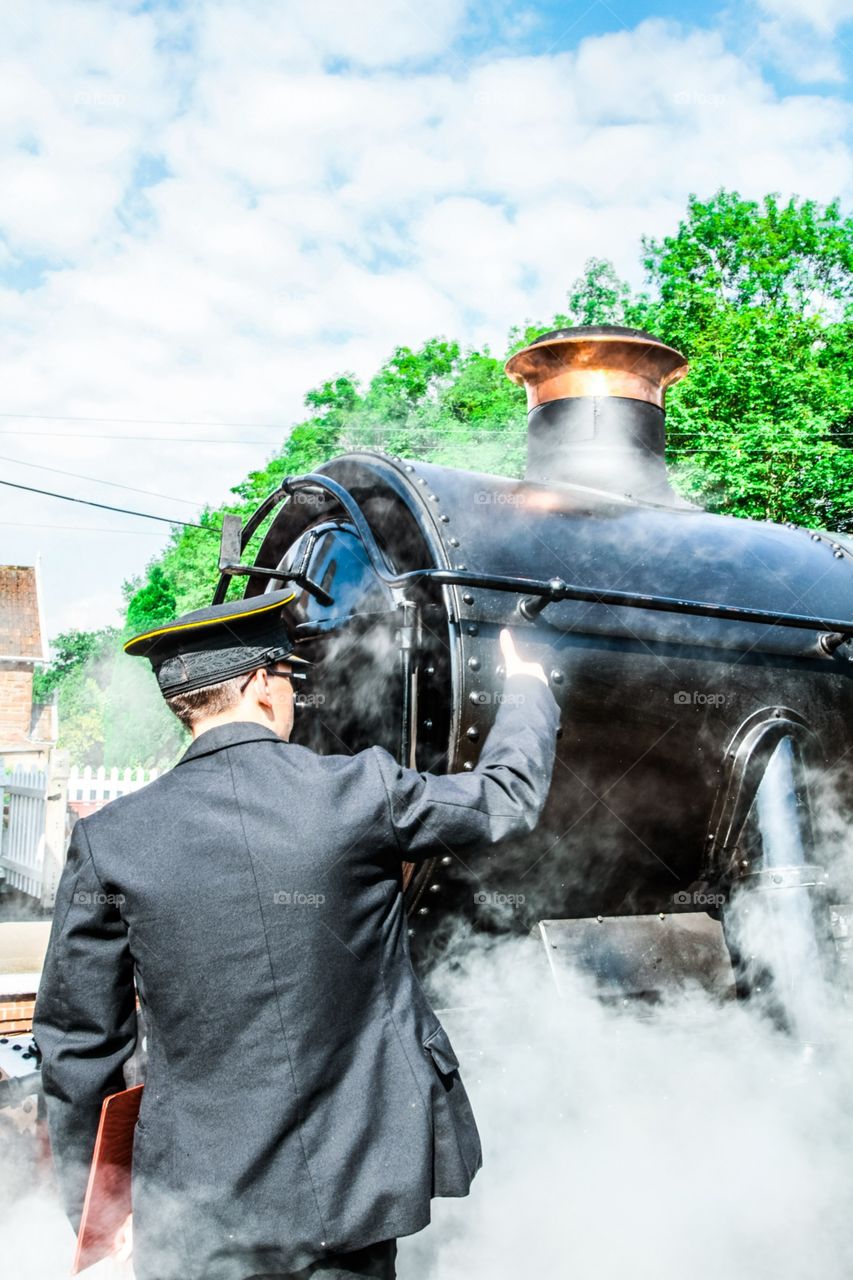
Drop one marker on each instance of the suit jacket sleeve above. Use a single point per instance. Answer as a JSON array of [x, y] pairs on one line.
[[85, 1016], [502, 796]]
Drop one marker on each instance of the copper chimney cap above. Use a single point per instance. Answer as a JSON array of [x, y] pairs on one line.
[[596, 360]]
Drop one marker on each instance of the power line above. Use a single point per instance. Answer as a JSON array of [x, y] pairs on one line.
[[82, 528], [105, 506], [99, 435], [160, 422], [114, 484]]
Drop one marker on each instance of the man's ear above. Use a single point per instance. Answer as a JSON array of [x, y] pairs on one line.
[[259, 688]]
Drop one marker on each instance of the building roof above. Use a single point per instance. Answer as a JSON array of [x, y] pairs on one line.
[[21, 629]]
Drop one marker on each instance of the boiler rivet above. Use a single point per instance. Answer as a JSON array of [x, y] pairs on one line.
[[430, 671], [839, 555], [423, 911], [421, 480], [411, 933], [462, 566], [444, 517], [600, 919], [467, 766], [557, 677], [446, 860], [427, 724], [435, 888], [472, 629], [433, 497], [468, 598], [474, 664], [815, 537], [454, 542], [473, 733], [409, 467]]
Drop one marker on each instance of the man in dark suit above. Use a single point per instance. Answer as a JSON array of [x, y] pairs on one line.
[[302, 1101]]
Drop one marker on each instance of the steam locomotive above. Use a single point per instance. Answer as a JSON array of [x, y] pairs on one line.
[[702, 664]]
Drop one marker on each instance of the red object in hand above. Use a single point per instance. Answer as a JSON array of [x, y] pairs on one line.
[[108, 1203]]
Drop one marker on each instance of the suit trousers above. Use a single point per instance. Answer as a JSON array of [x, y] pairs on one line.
[[375, 1262]]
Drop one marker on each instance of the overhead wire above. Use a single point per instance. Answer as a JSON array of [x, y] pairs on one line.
[[99, 435], [159, 422], [81, 528], [114, 484], [105, 506]]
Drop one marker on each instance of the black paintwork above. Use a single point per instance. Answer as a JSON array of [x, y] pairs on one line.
[[651, 699]]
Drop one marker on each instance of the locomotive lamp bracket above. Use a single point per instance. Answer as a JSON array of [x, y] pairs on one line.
[[232, 543]]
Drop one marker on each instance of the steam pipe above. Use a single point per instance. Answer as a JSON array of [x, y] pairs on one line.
[[774, 912]]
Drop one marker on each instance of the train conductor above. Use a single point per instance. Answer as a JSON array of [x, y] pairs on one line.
[[302, 1101]]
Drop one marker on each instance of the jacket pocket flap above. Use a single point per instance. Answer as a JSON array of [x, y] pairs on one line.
[[439, 1046]]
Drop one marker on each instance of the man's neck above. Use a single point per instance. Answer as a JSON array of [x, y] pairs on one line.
[[235, 715]]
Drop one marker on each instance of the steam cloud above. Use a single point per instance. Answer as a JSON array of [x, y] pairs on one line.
[[691, 1140]]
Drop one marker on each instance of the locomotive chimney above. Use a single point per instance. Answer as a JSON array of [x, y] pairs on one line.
[[595, 399]]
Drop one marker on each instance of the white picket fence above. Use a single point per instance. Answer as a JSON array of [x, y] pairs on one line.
[[22, 830], [34, 804], [97, 786]]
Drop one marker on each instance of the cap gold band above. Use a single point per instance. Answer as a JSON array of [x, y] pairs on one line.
[[209, 622]]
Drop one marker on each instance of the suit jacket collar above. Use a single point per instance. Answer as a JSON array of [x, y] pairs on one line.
[[227, 735]]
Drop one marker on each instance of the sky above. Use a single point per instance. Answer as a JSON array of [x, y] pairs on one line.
[[209, 207]]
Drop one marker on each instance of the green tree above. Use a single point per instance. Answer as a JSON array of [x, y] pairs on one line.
[[153, 603], [72, 650], [759, 297]]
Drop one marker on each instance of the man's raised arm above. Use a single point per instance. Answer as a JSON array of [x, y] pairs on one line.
[[503, 795]]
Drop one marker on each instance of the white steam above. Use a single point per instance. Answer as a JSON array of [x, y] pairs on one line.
[[691, 1140]]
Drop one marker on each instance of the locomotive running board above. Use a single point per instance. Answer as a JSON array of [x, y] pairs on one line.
[[642, 958]]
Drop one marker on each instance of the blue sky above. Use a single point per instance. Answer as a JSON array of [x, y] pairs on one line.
[[206, 208]]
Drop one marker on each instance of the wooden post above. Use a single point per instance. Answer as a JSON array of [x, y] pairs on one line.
[[55, 819]]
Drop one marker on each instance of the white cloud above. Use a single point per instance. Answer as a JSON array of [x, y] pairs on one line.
[[802, 36], [311, 218], [825, 16]]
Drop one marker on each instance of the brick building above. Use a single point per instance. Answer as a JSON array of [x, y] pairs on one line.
[[27, 730]]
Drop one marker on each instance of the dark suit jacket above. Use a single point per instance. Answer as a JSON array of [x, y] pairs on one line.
[[301, 1095]]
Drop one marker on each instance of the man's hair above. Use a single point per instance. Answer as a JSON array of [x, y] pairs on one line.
[[208, 701]]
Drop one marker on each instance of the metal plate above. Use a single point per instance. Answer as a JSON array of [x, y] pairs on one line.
[[641, 957]]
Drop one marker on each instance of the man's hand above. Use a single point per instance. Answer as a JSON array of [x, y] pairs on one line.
[[123, 1240], [515, 665]]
